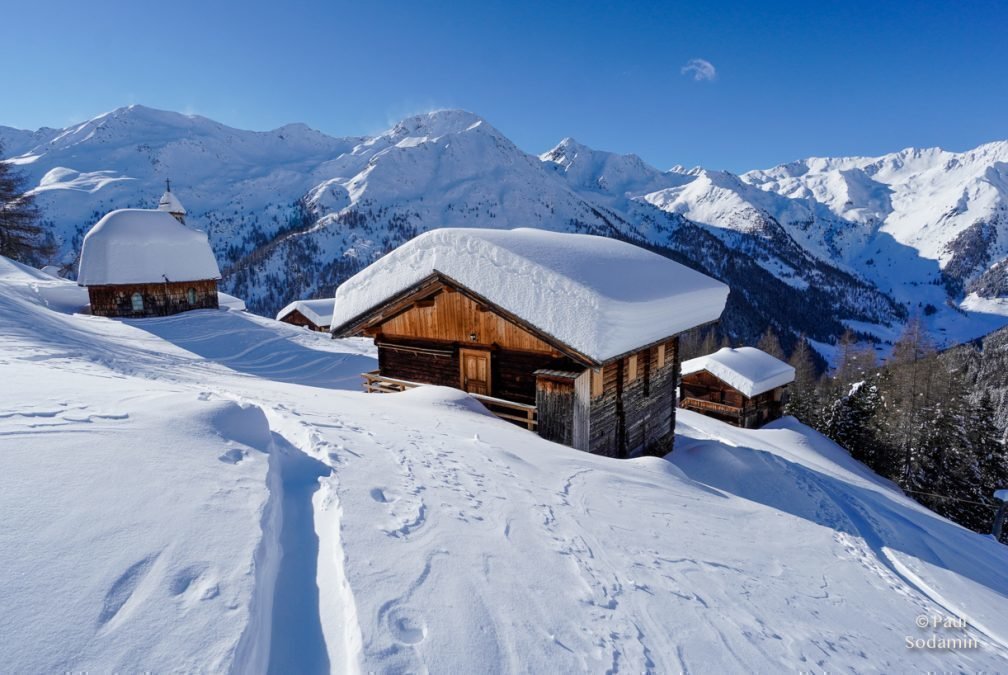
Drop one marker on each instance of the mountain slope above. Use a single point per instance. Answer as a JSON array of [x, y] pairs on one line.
[[292, 212], [234, 502]]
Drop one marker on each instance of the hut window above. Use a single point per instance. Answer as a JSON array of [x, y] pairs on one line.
[[191, 296], [137, 301], [631, 368], [661, 356]]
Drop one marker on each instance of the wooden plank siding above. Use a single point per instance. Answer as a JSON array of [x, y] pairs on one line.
[[437, 362], [159, 299], [453, 317], [730, 404], [296, 318], [638, 414]]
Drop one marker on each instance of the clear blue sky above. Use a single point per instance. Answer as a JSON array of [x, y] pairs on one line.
[[793, 79]]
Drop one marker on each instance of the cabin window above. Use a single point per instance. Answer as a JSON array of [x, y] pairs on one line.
[[137, 301], [661, 356], [191, 296], [631, 368]]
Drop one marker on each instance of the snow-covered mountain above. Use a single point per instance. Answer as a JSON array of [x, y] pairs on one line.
[[212, 492], [813, 247]]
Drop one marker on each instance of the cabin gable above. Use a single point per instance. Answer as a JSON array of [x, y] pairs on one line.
[[447, 315], [296, 318]]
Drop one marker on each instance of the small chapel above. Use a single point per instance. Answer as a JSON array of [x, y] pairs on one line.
[[148, 262]]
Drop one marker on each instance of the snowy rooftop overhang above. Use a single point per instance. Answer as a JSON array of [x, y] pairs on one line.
[[750, 370], [170, 203], [319, 312], [599, 297], [132, 246]]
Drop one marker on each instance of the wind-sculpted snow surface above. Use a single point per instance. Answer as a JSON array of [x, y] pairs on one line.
[[171, 490]]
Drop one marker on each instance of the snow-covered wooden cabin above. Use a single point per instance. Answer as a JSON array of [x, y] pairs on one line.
[[573, 335], [743, 386], [314, 314], [140, 262]]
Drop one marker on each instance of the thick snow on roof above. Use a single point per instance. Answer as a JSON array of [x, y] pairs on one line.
[[599, 296], [170, 203], [132, 246], [318, 312], [750, 370]]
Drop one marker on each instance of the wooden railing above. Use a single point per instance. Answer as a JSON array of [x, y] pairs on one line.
[[711, 406], [519, 413]]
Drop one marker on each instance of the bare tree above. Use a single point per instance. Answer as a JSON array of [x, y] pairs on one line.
[[770, 343]]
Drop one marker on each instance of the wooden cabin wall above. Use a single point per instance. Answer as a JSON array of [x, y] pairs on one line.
[[636, 409], [160, 299], [396, 359], [512, 372], [706, 387], [555, 410], [452, 317], [296, 318], [752, 413]]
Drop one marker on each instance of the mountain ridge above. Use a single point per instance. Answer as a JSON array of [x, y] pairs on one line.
[[293, 211]]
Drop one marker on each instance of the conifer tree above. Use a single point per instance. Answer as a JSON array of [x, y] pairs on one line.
[[802, 400], [22, 236]]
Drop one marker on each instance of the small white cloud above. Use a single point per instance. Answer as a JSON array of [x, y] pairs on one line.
[[700, 69]]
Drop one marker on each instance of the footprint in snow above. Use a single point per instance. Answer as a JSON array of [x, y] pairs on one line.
[[122, 588], [232, 456], [407, 625]]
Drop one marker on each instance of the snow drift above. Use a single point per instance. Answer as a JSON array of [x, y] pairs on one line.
[[206, 492]]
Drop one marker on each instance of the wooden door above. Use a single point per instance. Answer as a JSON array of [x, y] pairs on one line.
[[475, 368]]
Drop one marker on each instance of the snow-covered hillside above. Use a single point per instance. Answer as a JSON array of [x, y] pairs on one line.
[[811, 247], [210, 491]]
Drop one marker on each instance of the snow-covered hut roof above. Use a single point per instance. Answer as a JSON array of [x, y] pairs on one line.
[[600, 297], [750, 370], [138, 246], [319, 312], [1002, 495], [170, 203]]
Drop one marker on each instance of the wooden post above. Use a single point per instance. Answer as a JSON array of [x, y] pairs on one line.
[[999, 519]]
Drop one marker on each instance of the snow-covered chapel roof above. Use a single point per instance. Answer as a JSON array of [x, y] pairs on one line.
[[319, 312], [599, 296], [137, 246], [170, 203], [752, 371]]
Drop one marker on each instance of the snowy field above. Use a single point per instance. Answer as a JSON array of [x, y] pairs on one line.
[[211, 492]]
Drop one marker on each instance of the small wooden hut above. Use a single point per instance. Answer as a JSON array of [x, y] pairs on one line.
[[313, 314], [575, 336], [744, 386], [139, 262]]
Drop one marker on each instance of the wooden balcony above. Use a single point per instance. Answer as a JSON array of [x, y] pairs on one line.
[[701, 405], [518, 413]]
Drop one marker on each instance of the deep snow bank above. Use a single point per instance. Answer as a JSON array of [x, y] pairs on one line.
[[138, 531]]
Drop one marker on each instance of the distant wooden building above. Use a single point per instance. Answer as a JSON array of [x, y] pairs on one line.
[[744, 386], [138, 263], [313, 314], [575, 336]]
